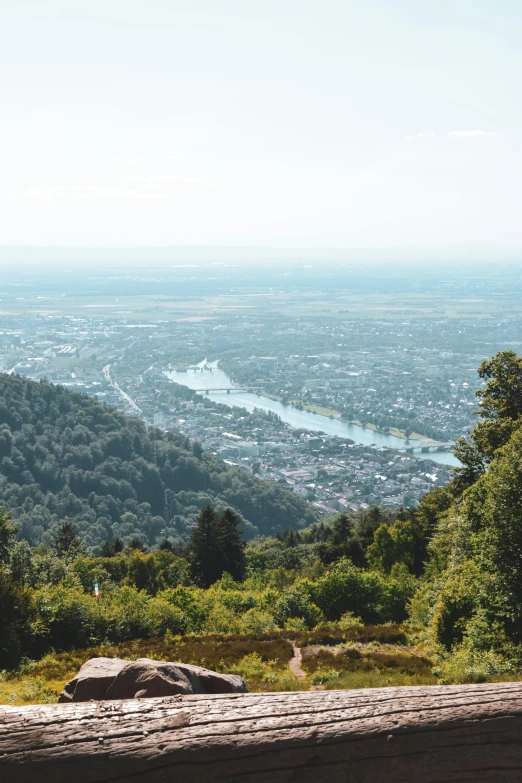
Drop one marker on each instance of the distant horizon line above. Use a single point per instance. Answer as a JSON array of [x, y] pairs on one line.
[[259, 253]]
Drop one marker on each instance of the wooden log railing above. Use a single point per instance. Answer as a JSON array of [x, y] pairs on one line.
[[412, 735]]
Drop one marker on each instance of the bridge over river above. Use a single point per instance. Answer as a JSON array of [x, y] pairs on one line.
[[226, 389], [425, 446], [213, 382]]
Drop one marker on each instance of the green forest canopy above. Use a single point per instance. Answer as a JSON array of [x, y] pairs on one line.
[[65, 455]]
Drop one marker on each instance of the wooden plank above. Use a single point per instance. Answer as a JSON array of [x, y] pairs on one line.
[[412, 735]]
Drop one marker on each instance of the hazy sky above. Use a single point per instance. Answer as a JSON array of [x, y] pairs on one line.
[[283, 122]]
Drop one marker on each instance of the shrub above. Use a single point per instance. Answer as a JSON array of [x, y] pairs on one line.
[[368, 594], [295, 603], [67, 617], [455, 605]]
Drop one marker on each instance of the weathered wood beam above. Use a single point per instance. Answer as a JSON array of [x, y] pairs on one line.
[[412, 735]]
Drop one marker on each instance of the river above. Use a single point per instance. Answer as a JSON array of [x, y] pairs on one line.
[[201, 379]]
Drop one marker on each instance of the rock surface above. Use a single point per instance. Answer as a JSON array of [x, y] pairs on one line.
[[114, 678]]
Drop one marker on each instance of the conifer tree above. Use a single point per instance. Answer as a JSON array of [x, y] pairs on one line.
[[137, 543], [216, 547], [205, 566], [66, 542], [231, 545], [343, 529], [107, 549]]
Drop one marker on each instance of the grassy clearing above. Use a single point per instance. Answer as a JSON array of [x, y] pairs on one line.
[[355, 668], [329, 412], [401, 434], [362, 634], [353, 657], [261, 659], [31, 690], [393, 431]]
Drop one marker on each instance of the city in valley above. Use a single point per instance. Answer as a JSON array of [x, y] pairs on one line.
[[320, 379]]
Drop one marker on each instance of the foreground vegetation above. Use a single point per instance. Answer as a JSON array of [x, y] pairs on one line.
[[412, 597], [332, 657]]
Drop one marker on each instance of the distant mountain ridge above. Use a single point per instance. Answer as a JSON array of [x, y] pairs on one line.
[[65, 455]]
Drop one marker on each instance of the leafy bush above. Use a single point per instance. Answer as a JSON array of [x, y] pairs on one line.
[[368, 594], [295, 603]]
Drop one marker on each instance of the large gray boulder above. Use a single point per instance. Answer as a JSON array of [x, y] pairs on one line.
[[114, 678]]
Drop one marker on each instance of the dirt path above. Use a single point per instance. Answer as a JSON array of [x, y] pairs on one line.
[[295, 663], [295, 666]]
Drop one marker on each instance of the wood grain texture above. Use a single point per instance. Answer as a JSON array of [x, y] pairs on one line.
[[412, 735]]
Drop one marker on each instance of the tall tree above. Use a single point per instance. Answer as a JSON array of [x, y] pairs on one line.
[[500, 409], [343, 541], [342, 529], [137, 543], [21, 563], [67, 542], [492, 510], [204, 554], [15, 615], [231, 545], [216, 547], [7, 532]]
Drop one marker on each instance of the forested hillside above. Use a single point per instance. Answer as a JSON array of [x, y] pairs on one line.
[[65, 455]]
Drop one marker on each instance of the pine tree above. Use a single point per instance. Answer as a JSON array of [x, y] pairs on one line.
[[204, 554], [231, 545], [216, 547], [343, 529], [137, 543], [107, 549], [291, 538], [66, 542], [118, 545]]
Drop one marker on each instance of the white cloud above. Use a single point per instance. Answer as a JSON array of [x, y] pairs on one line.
[[470, 134], [420, 136]]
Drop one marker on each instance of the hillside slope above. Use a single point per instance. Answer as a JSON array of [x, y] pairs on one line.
[[66, 455]]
